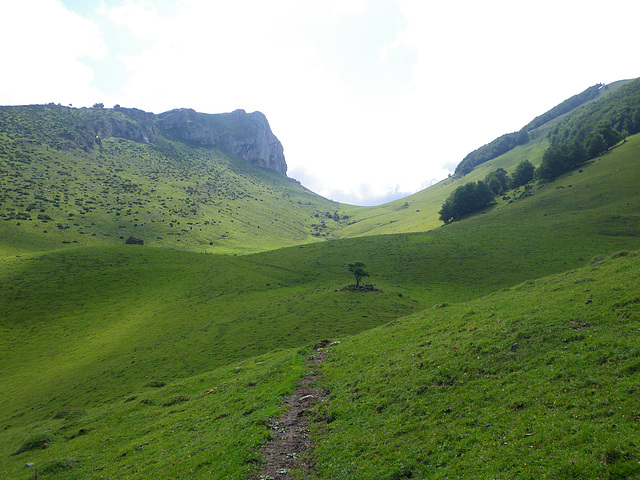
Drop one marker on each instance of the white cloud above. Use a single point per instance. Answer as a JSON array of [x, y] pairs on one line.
[[369, 97], [43, 48]]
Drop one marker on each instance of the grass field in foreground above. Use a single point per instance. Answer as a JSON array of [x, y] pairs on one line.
[[536, 381], [207, 426]]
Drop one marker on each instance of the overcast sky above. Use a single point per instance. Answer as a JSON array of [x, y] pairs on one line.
[[372, 99]]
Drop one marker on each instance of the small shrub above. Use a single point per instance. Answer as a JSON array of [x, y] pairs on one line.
[[35, 442], [173, 401], [68, 414], [155, 384], [58, 465], [79, 433]]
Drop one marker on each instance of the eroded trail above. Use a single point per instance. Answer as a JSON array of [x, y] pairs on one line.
[[287, 450]]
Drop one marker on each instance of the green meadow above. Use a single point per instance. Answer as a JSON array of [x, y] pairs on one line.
[[503, 345], [534, 381]]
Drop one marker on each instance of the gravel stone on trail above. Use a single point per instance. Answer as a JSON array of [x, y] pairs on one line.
[[286, 451]]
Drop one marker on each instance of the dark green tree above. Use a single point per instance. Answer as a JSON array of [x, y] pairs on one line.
[[358, 272], [562, 158], [596, 144], [610, 134], [465, 199], [497, 181], [523, 174]]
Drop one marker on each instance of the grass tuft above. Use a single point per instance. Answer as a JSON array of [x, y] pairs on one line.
[[35, 442]]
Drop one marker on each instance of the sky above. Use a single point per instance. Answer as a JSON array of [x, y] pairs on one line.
[[372, 100]]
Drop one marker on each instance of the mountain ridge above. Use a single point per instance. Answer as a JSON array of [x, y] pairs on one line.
[[509, 141], [246, 135]]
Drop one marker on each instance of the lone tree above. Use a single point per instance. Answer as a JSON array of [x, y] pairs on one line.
[[358, 272]]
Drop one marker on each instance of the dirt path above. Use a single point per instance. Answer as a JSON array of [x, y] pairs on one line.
[[287, 450]]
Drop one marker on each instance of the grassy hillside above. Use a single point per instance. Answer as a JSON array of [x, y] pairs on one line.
[[535, 381], [129, 314], [169, 193], [178, 195], [122, 360], [205, 426], [419, 212]]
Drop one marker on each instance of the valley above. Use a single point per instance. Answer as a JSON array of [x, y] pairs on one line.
[[509, 335]]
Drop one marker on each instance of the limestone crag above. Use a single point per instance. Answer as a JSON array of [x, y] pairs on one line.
[[247, 135], [135, 125]]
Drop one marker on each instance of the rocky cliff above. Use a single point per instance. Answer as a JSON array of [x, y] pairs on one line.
[[133, 124], [246, 135]]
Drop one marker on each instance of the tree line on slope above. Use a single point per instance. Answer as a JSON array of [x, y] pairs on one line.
[[581, 137], [474, 196], [504, 143], [592, 131]]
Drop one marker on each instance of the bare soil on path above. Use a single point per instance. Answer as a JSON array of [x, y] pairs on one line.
[[288, 449]]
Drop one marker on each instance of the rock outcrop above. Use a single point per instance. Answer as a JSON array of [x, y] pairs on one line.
[[134, 241], [247, 135], [134, 124]]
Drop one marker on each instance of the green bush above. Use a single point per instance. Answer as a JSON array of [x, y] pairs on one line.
[[35, 442]]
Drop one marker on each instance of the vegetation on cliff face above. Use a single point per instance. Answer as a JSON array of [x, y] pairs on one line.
[[592, 131], [86, 177], [246, 135], [582, 136]]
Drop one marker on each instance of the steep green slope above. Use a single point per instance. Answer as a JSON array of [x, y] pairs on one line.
[[535, 381], [103, 321], [170, 193], [419, 212], [507, 142]]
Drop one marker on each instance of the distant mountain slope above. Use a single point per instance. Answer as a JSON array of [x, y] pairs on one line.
[[98, 176], [620, 110], [618, 105], [507, 142]]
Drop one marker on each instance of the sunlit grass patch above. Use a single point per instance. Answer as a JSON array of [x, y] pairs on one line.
[[527, 383]]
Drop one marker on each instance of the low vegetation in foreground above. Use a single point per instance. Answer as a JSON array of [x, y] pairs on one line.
[[535, 381], [502, 345]]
